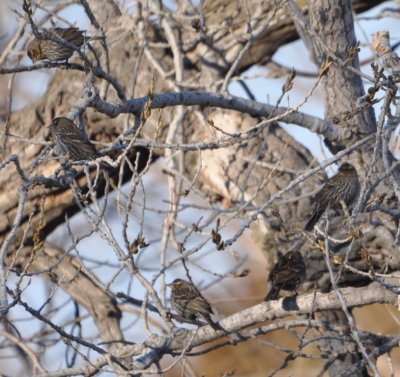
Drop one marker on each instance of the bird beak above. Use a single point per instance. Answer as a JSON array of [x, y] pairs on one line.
[[169, 285]]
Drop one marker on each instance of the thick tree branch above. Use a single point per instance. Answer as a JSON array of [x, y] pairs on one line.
[[158, 346], [253, 108]]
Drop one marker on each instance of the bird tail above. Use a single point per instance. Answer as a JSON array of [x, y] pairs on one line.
[[273, 293], [108, 167], [215, 325], [314, 219]]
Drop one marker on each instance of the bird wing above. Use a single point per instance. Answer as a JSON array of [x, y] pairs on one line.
[[79, 147], [282, 273], [195, 301], [285, 275], [325, 190], [201, 305], [72, 35]]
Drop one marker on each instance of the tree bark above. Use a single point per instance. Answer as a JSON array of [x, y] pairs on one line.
[[333, 23]]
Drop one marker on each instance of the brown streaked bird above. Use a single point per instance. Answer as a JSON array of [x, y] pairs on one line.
[[342, 186], [40, 49], [72, 144], [189, 303], [287, 274]]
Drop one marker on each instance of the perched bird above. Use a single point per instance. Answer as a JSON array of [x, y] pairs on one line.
[[342, 186], [72, 144], [40, 49], [188, 302], [287, 274]]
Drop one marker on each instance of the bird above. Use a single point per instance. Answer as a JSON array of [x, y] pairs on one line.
[[287, 274], [72, 144], [40, 49], [70, 141], [189, 303], [343, 186]]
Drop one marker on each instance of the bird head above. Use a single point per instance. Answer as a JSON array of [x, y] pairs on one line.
[[177, 284], [55, 123], [293, 255], [35, 51], [346, 168], [60, 123]]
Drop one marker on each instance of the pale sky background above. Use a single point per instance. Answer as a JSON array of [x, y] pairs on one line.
[[95, 249]]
